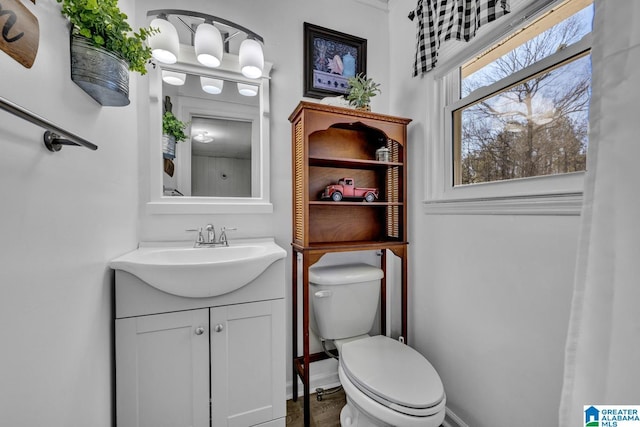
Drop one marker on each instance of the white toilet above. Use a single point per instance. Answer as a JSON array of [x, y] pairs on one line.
[[387, 383]]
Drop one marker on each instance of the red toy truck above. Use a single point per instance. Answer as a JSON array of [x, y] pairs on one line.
[[345, 188]]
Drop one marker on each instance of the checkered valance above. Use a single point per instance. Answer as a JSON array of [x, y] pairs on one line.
[[440, 20]]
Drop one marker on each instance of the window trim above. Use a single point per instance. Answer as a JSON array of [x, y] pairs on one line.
[[574, 51], [542, 195]]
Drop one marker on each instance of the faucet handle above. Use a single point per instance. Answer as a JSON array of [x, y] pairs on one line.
[[223, 230], [200, 238], [223, 234]]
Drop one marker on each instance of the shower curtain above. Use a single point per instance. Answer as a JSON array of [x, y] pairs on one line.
[[602, 358]]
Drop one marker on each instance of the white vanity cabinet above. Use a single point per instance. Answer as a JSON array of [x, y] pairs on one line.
[[162, 369], [200, 362], [247, 348]]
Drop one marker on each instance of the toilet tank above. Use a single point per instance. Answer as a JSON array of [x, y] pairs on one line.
[[344, 299]]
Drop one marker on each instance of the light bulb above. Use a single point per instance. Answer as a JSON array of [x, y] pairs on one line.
[[247, 90], [164, 44], [208, 45], [212, 86], [251, 59], [173, 77]]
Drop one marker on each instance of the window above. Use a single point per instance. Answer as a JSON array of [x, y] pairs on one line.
[[523, 103]]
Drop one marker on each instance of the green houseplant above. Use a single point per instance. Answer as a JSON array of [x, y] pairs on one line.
[[104, 46], [172, 132], [102, 22], [174, 127], [361, 90]]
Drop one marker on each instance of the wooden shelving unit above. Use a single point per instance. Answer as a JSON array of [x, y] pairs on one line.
[[331, 143]]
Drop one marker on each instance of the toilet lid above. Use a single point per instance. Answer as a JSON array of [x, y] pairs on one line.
[[387, 370]]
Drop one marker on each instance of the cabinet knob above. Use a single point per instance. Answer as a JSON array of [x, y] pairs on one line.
[[199, 330], [219, 327]]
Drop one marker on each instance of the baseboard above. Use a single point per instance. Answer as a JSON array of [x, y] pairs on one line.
[[452, 420]]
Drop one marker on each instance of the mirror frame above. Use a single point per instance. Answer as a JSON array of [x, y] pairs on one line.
[[229, 70]]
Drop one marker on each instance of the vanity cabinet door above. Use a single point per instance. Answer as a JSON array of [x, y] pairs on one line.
[[248, 364], [162, 366]]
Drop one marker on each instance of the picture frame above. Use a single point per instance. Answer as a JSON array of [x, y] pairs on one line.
[[330, 58]]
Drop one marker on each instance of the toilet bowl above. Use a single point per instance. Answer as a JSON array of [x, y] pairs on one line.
[[387, 383]]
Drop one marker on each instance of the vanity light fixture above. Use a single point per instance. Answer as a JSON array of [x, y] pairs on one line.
[[247, 90], [173, 77], [210, 85], [208, 41], [164, 44]]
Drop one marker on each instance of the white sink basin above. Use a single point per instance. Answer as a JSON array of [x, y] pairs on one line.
[[200, 272]]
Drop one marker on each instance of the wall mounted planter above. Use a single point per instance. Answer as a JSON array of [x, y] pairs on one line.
[[100, 73], [168, 147]]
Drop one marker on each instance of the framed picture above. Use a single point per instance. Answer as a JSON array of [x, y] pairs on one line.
[[330, 58]]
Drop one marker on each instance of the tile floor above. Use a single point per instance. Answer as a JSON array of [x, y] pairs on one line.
[[324, 413]]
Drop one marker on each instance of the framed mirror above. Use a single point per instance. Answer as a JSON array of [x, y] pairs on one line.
[[223, 165]]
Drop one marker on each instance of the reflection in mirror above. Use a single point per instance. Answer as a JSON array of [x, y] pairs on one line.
[[220, 157], [216, 158]]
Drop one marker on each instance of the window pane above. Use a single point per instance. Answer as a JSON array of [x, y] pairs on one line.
[[538, 127], [563, 34]]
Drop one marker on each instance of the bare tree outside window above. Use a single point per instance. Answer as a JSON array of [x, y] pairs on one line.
[[537, 127]]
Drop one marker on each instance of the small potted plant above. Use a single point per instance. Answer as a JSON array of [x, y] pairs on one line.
[[104, 48], [172, 132], [361, 90]]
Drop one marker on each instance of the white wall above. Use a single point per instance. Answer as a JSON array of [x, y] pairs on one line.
[[222, 176], [489, 295], [280, 23], [490, 309], [63, 216]]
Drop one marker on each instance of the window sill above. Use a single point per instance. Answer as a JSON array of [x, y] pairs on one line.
[[564, 204]]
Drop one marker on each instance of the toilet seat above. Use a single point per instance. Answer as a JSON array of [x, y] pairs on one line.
[[394, 375]]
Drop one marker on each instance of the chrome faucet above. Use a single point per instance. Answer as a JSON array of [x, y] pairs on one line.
[[210, 240]]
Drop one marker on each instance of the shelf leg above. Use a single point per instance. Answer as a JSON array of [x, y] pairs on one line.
[[383, 293], [294, 325], [305, 334], [404, 296]]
